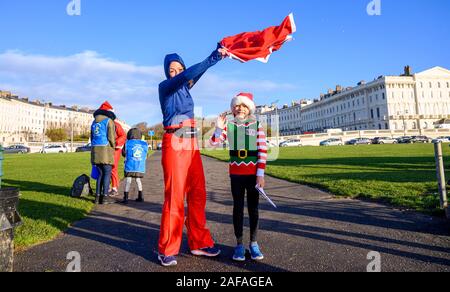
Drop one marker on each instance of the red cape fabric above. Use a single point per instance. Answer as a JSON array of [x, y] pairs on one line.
[[259, 45]]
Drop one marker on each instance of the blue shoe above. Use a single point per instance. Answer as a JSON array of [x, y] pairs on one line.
[[167, 261], [256, 252], [239, 253], [207, 252]]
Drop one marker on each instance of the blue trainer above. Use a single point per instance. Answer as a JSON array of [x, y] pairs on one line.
[[167, 261], [239, 253], [256, 252], [207, 252]]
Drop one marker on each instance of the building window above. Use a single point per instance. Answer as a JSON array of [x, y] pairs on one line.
[[378, 112], [383, 96], [371, 113]]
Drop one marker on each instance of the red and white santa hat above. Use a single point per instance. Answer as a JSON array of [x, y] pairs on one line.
[[246, 99], [106, 106]]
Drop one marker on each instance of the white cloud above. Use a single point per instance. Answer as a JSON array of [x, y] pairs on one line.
[[88, 78], [85, 79]]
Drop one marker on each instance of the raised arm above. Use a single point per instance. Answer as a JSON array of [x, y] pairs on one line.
[[220, 135], [191, 75]]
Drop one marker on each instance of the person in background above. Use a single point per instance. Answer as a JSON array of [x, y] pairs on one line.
[[121, 138], [135, 153], [103, 139]]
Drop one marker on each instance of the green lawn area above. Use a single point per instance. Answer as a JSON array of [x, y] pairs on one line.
[[401, 175], [45, 204]]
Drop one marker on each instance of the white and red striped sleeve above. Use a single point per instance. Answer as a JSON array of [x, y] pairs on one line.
[[262, 151], [219, 137]]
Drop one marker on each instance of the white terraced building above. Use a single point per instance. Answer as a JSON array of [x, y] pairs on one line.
[[23, 121], [407, 102]]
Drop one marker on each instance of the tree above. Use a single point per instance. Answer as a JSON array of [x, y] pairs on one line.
[[85, 136], [57, 135], [144, 128]]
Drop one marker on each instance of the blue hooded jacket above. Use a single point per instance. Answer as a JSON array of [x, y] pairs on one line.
[[176, 101]]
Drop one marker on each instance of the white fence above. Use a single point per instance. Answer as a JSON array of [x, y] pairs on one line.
[[315, 139]]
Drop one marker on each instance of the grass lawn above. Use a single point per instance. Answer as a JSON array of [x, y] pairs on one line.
[[401, 175], [45, 182]]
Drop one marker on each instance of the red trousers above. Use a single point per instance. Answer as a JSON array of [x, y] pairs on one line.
[[184, 178], [115, 170]]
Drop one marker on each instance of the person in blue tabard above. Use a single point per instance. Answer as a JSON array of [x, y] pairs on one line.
[[135, 153], [103, 141]]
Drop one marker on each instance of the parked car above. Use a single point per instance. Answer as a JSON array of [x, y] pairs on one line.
[[441, 140], [420, 139], [359, 141], [16, 149], [404, 140], [85, 148], [159, 146], [291, 143], [384, 140], [54, 149], [332, 142]]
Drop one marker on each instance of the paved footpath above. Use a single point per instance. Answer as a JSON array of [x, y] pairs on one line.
[[310, 231]]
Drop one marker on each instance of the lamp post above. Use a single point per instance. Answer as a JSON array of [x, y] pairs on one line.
[[72, 119], [404, 122], [277, 123], [202, 134], [45, 127]]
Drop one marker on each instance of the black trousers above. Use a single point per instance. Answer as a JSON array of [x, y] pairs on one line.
[[241, 184]]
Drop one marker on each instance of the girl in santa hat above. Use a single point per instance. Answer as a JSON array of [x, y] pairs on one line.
[[248, 156]]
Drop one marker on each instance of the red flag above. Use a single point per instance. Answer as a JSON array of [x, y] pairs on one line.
[[261, 44]]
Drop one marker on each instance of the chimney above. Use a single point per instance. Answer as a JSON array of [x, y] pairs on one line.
[[330, 91], [362, 82], [407, 71], [338, 88]]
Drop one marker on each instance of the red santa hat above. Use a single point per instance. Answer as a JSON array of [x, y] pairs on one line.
[[106, 106], [246, 99]]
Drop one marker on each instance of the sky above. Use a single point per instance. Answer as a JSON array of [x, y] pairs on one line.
[[115, 49]]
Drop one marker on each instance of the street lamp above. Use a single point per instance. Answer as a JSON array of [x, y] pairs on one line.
[[404, 122], [45, 127], [278, 122], [72, 119]]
